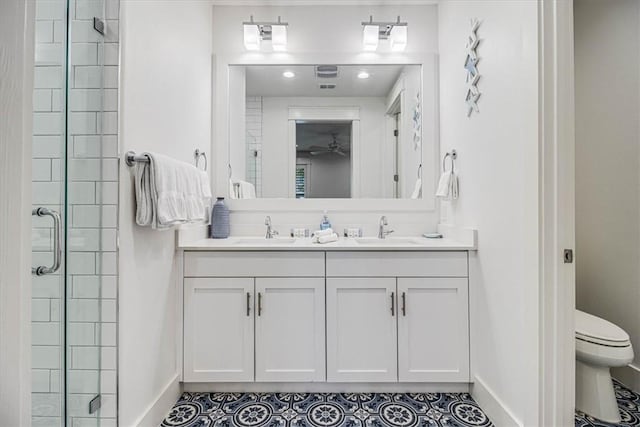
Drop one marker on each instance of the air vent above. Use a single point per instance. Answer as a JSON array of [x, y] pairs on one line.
[[326, 71], [327, 86]]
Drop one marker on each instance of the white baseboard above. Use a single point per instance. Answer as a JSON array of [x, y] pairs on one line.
[[159, 409], [322, 387], [491, 404]]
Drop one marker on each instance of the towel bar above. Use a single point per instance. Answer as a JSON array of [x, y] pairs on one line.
[[131, 158]]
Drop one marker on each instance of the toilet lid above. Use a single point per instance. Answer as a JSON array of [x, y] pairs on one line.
[[589, 326]]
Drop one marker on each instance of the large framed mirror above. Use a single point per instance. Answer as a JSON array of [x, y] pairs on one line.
[[327, 131]]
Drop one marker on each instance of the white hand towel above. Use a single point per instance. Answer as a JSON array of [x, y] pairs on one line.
[[454, 186], [333, 237], [247, 190], [170, 192], [325, 232], [444, 185], [417, 189]]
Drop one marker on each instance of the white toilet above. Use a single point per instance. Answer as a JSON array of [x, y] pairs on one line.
[[600, 345]]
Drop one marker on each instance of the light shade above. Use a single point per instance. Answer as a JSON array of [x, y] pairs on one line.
[[370, 37], [398, 38], [279, 37], [251, 37]]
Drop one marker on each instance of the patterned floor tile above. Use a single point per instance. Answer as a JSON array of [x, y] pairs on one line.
[[628, 403], [326, 410]]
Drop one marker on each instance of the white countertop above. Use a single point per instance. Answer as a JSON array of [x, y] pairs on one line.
[[244, 243]]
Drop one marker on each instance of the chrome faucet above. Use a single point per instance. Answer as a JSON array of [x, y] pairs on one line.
[[381, 231], [271, 233]]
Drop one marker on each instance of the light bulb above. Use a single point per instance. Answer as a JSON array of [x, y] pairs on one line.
[[363, 75], [370, 37], [251, 37], [289, 74]]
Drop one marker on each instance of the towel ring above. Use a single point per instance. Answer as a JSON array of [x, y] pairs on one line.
[[454, 155], [197, 154]]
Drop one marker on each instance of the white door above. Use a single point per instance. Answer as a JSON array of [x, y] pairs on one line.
[[361, 330], [218, 329], [290, 329], [433, 329]]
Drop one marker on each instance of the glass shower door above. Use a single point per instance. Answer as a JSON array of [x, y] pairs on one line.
[[74, 180]]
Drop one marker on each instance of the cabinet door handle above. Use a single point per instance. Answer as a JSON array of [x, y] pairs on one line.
[[259, 303], [248, 304], [393, 303], [404, 304]]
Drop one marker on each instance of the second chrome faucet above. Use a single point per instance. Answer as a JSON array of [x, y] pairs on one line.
[[382, 233]]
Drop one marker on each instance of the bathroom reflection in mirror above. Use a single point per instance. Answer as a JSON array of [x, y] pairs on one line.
[[325, 131]]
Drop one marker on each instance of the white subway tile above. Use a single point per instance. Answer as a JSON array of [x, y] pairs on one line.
[[41, 240], [108, 123], [45, 422], [82, 123], [55, 380], [108, 408], [47, 124], [108, 357], [110, 77], [44, 31], [109, 170], [55, 310], [40, 380], [109, 286], [47, 146], [46, 404], [57, 173], [107, 335], [81, 333], [108, 240], [108, 381], [59, 30], [85, 357], [42, 100], [85, 99], [51, 9], [48, 77], [111, 53], [83, 31], [78, 406], [40, 310], [86, 216], [57, 99], [83, 169], [112, 31], [110, 100], [85, 381], [109, 216], [109, 313], [83, 310], [112, 9], [81, 263], [107, 193], [84, 53], [41, 170], [87, 77], [87, 9], [106, 263], [45, 357], [45, 333], [46, 193], [83, 240], [86, 287], [49, 54], [48, 286], [82, 193]]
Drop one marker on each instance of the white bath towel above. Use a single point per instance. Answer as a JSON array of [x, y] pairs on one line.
[[448, 186], [333, 237], [170, 192]]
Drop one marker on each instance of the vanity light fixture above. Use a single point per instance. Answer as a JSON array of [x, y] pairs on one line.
[[289, 74], [395, 32], [363, 75], [256, 32]]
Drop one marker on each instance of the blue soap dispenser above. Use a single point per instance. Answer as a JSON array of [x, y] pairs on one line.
[[325, 224]]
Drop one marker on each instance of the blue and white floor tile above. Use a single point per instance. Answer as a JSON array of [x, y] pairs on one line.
[[326, 409], [628, 403]]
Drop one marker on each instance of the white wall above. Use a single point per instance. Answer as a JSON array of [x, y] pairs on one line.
[[166, 107], [497, 164], [607, 64], [275, 141], [329, 176], [16, 93]]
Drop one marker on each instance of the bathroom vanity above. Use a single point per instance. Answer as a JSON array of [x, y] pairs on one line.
[[374, 311]]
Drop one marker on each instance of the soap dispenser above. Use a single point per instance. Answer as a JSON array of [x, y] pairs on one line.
[[325, 224]]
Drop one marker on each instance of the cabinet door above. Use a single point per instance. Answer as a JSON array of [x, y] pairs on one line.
[[433, 330], [361, 330], [290, 329], [218, 329]]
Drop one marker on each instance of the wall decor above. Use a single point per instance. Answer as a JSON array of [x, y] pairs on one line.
[[470, 65]]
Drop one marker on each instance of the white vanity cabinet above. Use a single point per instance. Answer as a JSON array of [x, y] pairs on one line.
[[397, 316], [254, 316]]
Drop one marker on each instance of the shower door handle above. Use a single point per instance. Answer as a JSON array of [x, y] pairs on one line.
[[57, 248]]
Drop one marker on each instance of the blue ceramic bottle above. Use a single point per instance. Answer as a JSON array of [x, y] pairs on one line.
[[219, 220]]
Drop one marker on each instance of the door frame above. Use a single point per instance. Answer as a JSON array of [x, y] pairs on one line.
[[556, 404], [17, 24]]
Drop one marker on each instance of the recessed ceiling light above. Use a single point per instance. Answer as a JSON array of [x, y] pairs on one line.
[[363, 75], [289, 74]]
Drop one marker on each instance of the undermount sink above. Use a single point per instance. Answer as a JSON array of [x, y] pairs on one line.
[[264, 241], [391, 241]]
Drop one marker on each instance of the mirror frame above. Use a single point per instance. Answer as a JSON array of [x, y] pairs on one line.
[[430, 135]]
